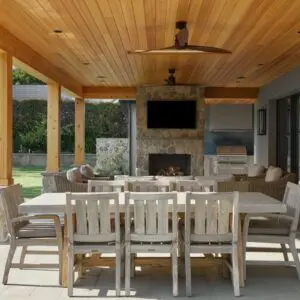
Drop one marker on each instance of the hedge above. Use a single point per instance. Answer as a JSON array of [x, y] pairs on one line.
[[104, 120]]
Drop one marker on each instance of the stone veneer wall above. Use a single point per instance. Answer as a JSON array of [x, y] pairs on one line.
[[112, 154], [169, 141]]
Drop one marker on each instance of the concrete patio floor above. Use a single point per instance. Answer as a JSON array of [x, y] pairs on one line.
[[262, 283]]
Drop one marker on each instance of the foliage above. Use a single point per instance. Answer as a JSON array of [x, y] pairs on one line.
[[101, 121], [21, 77]]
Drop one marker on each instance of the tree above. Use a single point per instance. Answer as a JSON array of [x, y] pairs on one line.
[[21, 77]]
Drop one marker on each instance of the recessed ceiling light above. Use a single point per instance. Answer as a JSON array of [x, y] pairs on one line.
[[57, 31]]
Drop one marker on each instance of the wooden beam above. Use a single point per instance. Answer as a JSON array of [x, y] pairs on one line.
[[114, 92], [6, 137], [53, 127], [79, 131], [35, 64], [233, 93], [101, 92], [215, 101]]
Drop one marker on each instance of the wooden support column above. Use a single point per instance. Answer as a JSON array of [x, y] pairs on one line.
[[6, 105], [79, 131], [53, 128]]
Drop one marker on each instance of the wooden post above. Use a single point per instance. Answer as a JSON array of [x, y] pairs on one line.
[[53, 128], [79, 131], [6, 105]]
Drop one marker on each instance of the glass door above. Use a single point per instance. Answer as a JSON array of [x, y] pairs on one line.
[[288, 137]]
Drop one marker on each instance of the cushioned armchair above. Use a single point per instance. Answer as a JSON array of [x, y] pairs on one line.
[[62, 185], [273, 189], [258, 184]]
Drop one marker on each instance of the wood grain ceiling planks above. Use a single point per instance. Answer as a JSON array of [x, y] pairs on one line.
[[262, 34]]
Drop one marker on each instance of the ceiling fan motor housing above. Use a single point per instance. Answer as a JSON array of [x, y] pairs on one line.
[[181, 24]]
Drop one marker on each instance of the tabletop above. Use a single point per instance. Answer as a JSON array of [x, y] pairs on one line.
[[55, 203]]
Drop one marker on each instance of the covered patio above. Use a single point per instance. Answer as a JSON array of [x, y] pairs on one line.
[[262, 283], [151, 51]]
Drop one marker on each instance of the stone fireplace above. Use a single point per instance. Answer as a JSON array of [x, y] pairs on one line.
[[182, 142], [160, 163]]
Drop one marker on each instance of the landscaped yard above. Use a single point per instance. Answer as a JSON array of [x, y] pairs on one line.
[[30, 179]]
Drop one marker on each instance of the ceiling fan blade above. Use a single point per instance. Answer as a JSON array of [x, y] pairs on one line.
[[208, 49], [154, 51]]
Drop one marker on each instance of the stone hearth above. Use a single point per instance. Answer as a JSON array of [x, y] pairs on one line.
[[169, 141]]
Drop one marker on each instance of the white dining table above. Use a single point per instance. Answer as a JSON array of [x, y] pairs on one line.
[[249, 203]]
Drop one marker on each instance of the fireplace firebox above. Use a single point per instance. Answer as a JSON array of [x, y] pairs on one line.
[[169, 164]]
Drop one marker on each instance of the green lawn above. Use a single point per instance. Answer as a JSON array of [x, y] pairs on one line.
[[30, 179]]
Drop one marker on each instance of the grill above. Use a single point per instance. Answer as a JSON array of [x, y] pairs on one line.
[[231, 160]]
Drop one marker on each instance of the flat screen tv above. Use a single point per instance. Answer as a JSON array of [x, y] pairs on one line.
[[171, 114]]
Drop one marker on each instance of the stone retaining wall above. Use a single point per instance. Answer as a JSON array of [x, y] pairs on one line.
[[40, 159]]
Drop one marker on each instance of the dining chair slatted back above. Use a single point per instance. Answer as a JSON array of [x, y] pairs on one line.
[[93, 217], [208, 217], [211, 226], [174, 178], [105, 186], [292, 200], [148, 186], [11, 198], [195, 186], [151, 217]]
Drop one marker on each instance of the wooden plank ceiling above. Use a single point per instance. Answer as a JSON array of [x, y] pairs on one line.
[[264, 36]]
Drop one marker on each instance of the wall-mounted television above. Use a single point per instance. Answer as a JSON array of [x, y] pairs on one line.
[[172, 114]]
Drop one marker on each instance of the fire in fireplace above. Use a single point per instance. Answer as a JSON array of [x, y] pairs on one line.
[[170, 164], [170, 171]]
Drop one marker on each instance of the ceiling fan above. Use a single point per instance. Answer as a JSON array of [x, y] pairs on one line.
[[181, 45]]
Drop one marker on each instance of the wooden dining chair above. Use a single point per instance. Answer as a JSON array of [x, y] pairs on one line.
[[152, 231], [195, 186], [94, 229], [148, 186], [106, 186], [209, 229], [276, 229], [25, 231]]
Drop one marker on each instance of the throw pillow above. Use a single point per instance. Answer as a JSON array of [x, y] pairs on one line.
[[273, 174], [255, 170], [74, 175], [87, 171]]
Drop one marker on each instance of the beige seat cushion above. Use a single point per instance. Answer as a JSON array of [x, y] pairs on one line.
[[273, 174], [74, 175], [87, 171], [255, 170], [37, 230], [269, 226]]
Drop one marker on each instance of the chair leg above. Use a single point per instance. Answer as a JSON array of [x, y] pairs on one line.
[[70, 272], [245, 237], [132, 266], [127, 270], [10, 256], [188, 276], [175, 269], [118, 270], [123, 262], [235, 271], [60, 263], [284, 252], [295, 255], [23, 254]]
